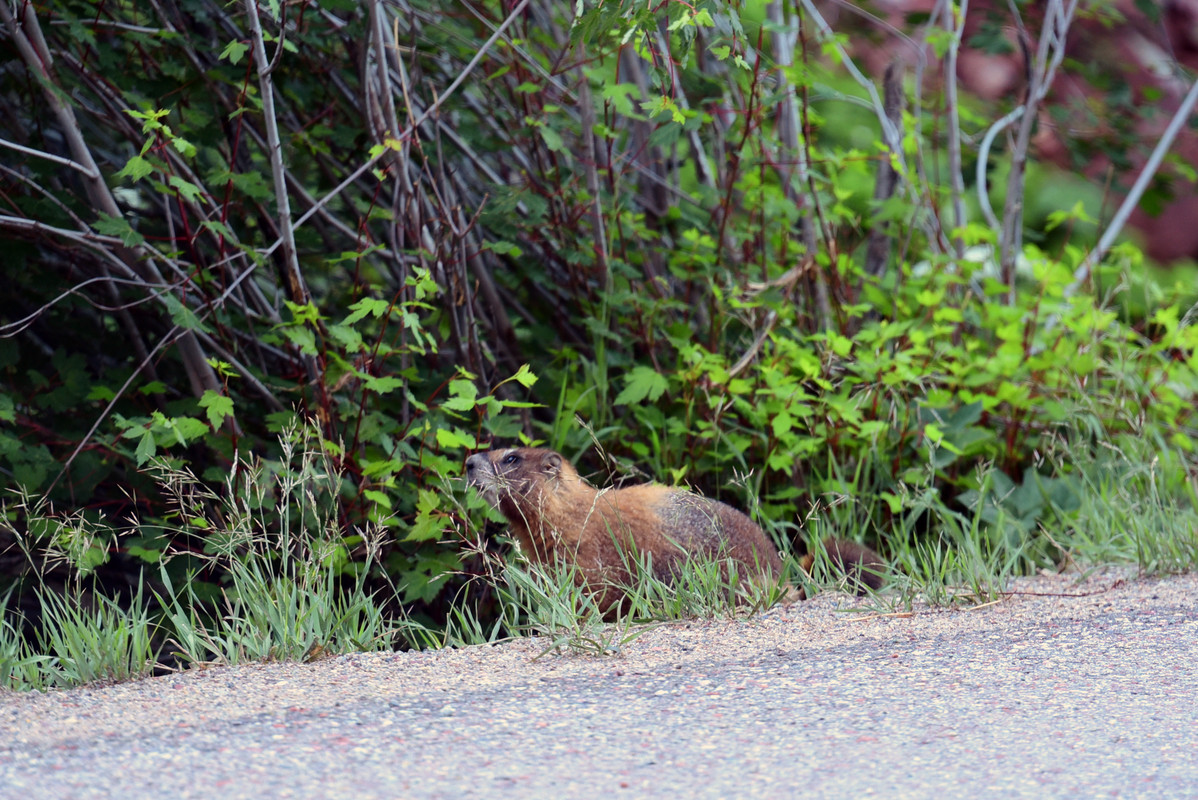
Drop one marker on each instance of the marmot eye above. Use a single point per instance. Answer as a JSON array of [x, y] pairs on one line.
[[511, 458]]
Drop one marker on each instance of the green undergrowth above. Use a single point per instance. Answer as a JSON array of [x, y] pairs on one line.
[[290, 590]]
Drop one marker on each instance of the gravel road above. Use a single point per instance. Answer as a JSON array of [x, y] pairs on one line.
[[1039, 695]]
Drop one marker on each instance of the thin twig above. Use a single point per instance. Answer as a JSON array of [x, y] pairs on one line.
[[590, 165], [784, 40], [13, 328], [747, 358], [868, 617]]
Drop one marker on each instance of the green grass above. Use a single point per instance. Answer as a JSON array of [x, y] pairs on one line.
[[288, 594], [549, 603], [1132, 512], [22, 666], [266, 617], [101, 641], [80, 640]]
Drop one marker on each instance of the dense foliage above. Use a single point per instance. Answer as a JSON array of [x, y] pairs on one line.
[[422, 227]]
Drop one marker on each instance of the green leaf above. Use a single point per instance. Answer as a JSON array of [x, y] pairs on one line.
[[367, 306], [348, 337], [840, 345], [524, 377], [308, 312], [218, 406], [187, 189], [223, 368], [464, 395], [136, 168], [252, 184], [217, 227], [642, 383], [149, 555], [936, 437], [552, 139], [933, 433], [929, 298], [388, 467], [145, 448], [183, 316], [183, 147], [620, 96], [428, 522], [894, 502], [504, 249], [234, 51], [940, 40], [432, 571], [782, 424], [663, 104], [279, 421], [119, 227], [183, 430], [377, 497], [453, 439], [384, 385], [872, 428]]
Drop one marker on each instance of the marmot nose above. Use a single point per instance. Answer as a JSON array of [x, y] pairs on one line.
[[473, 462]]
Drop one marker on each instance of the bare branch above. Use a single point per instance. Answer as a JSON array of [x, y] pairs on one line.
[[89, 172], [274, 148], [956, 178], [784, 42], [1049, 53], [1183, 114], [877, 248], [590, 165], [32, 47], [983, 161], [13, 328], [449, 90], [889, 132]]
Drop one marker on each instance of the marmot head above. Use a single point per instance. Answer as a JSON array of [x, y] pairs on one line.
[[513, 475]]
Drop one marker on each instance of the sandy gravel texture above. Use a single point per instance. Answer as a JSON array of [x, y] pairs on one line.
[[1061, 691]]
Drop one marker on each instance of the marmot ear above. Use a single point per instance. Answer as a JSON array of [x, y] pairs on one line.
[[553, 463]]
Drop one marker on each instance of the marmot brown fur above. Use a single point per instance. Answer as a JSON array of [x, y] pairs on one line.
[[558, 518]]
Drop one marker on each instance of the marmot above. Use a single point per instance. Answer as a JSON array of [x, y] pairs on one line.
[[557, 517]]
